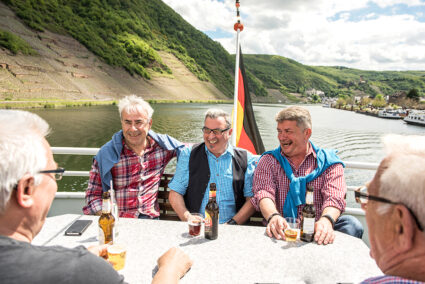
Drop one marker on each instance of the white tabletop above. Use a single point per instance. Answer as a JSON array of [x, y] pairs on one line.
[[241, 254]]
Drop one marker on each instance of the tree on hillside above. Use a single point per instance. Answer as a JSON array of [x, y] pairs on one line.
[[379, 101], [413, 94]]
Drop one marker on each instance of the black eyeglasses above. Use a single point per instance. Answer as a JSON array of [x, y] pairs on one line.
[[58, 173], [216, 131], [363, 197]]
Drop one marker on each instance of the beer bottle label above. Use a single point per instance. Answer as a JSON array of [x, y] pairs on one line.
[[101, 236], [208, 222], [308, 225]]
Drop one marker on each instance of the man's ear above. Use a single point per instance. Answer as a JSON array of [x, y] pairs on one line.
[[404, 227], [230, 131], [25, 190], [308, 133]]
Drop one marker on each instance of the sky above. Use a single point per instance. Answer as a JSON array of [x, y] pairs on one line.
[[363, 34]]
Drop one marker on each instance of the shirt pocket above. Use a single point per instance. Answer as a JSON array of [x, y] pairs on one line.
[[128, 199]]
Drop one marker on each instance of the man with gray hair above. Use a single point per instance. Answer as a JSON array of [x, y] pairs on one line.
[[282, 175], [28, 175], [395, 212], [133, 161], [214, 161]]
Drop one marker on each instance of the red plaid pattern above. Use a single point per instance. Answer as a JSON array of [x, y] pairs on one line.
[[136, 182], [270, 181]]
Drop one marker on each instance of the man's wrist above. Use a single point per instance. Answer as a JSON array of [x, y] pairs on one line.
[[271, 216], [330, 219]]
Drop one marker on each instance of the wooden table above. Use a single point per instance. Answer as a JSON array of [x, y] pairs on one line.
[[241, 254]]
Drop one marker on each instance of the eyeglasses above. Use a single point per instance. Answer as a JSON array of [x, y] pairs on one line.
[[362, 197], [216, 131], [58, 173]]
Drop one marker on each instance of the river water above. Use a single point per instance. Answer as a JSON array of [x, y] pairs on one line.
[[357, 137]]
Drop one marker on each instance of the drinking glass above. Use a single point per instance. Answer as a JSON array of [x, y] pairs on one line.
[[195, 221], [292, 230], [116, 255]]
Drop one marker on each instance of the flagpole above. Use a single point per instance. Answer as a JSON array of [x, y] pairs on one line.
[[238, 27]]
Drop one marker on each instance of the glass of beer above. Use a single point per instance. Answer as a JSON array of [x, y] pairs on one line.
[[291, 231], [195, 223], [116, 255]]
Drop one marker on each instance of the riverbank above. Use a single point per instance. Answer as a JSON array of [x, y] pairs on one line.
[[68, 103]]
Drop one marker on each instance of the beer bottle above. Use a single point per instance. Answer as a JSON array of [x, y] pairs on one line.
[[308, 217], [106, 220], [211, 215]]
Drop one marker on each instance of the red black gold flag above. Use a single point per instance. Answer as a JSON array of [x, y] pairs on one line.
[[247, 136]]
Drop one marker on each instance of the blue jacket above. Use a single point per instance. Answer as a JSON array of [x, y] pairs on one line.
[[297, 187], [110, 153]]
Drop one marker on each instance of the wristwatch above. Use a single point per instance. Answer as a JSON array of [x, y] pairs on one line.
[[329, 217], [232, 222]]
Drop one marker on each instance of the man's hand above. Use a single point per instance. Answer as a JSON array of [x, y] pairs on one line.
[[101, 251], [276, 226], [324, 233], [175, 262]]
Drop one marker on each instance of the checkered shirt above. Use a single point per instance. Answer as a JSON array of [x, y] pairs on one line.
[[270, 181], [135, 179]]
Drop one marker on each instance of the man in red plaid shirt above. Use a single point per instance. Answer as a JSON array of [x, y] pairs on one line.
[[281, 177], [134, 160]]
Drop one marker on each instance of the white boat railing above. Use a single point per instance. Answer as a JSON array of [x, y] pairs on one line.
[[93, 151]]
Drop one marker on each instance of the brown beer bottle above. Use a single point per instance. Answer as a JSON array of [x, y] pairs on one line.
[[308, 217], [106, 220], [211, 215]]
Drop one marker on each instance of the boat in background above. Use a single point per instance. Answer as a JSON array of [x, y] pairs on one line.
[[415, 117], [391, 114]]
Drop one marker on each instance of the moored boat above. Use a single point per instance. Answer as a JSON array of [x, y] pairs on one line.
[[391, 114], [416, 118]]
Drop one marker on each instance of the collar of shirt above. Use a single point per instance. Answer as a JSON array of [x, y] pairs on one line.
[[310, 151], [128, 152], [229, 151]]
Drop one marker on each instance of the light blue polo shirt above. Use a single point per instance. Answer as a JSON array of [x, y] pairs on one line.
[[221, 173]]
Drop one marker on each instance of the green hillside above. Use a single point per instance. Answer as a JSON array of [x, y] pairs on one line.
[[129, 33], [289, 76]]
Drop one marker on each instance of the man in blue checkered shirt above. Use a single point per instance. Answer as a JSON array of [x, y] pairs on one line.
[[214, 161]]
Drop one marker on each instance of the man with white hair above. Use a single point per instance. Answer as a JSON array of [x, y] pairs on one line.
[[134, 161], [28, 175], [395, 213]]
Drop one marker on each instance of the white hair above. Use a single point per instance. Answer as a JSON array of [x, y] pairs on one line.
[[21, 150], [404, 179], [215, 113], [133, 104]]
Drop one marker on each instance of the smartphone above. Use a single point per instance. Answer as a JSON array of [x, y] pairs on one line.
[[78, 227]]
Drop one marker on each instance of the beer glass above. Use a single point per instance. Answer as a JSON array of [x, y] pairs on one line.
[[292, 230], [195, 223], [116, 255]]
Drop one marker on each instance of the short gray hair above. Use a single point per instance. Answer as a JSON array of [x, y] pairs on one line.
[[215, 113], [134, 103], [21, 149], [404, 179], [295, 113]]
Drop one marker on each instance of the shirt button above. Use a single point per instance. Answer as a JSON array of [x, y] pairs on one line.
[[218, 175]]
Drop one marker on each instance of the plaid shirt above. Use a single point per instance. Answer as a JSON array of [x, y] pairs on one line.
[[270, 181], [136, 182], [387, 279]]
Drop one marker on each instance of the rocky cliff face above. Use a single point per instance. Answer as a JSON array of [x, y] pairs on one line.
[[65, 69]]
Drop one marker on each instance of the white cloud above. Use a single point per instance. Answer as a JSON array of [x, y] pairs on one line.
[[319, 32]]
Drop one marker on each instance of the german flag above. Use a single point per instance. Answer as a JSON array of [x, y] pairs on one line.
[[247, 136]]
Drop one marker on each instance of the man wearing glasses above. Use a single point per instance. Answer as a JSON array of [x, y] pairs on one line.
[[133, 161], [395, 212], [28, 175], [214, 161]]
